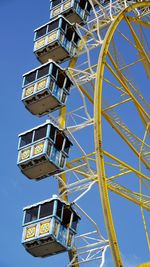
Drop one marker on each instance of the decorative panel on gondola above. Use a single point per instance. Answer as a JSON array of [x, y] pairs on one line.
[[42, 151], [49, 227], [56, 40], [76, 11], [45, 88]]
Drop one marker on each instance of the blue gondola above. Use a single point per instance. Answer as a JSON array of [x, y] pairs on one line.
[[49, 227], [56, 40], [76, 11], [42, 151], [45, 88]]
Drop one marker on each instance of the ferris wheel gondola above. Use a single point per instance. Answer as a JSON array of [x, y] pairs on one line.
[[76, 11], [42, 151], [49, 227], [56, 40], [46, 88]]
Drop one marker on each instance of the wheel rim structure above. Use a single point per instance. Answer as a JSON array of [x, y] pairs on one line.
[[97, 128], [98, 135]]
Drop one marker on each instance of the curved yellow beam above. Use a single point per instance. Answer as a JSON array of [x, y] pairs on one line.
[[98, 135], [147, 264]]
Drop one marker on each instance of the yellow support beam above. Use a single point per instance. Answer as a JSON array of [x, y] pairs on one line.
[[118, 163], [146, 264], [126, 166], [109, 119], [86, 94], [140, 48], [62, 188], [134, 197], [117, 104], [138, 21], [121, 79], [112, 124], [98, 134], [62, 117]]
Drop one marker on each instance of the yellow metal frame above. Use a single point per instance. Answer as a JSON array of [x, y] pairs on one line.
[[146, 264], [98, 135], [98, 112]]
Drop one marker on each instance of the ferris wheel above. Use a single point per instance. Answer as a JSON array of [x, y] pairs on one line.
[[92, 85]]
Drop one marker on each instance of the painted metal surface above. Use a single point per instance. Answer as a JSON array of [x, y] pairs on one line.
[[45, 89], [45, 231], [98, 134], [98, 155], [43, 151], [75, 11], [51, 41]]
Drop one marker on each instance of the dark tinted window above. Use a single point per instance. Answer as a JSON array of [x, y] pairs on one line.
[[31, 214], [66, 217], [88, 7], [61, 78], [43, 71], [40, 133], [76, 38], [63, 25], [67, 146], [59, 209], [82, 4], [68, 84], [30, 78], [55, 2], [52, 26], [69, 34], [52, 132], [41, 32], [54, 71], [46, 209], [26, 139], [59, 140]]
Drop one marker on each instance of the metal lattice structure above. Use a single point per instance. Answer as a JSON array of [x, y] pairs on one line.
[[108, 123]]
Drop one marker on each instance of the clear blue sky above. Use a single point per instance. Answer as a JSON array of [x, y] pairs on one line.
[[18, 19]]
